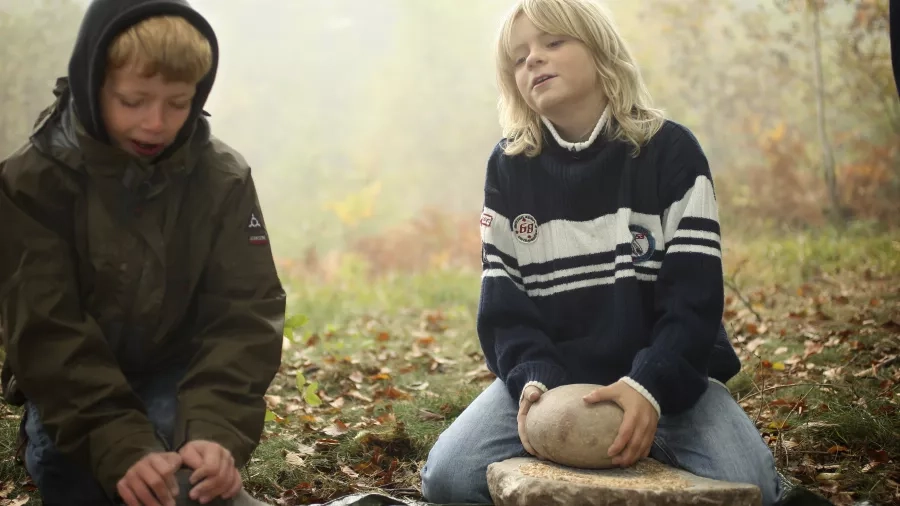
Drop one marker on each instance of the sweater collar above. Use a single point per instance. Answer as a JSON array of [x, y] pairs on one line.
[[578, 146]]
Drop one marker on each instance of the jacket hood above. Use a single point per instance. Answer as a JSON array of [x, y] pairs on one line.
[[103, 21]]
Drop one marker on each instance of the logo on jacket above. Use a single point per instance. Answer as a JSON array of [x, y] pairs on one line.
[[642, 243], [256, 231], [525, 227]]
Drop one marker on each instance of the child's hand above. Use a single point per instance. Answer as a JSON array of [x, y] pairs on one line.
[[638, 425], [151, 481], [214, 465], [530, 395]]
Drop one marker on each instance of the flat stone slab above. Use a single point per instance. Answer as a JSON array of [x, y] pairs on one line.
[[533, 482]]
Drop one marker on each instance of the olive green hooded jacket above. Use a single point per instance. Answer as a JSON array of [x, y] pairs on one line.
[[112, 267]]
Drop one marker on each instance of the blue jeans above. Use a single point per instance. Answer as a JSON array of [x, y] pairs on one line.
[[62, 482], [714, 439]]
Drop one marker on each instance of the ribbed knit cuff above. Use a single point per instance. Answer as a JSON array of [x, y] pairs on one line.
[[643, 391], [548, 374]]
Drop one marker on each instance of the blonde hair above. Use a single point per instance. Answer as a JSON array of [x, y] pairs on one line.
[[632, 115], [166, 45]]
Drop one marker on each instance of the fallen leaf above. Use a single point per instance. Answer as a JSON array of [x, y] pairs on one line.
[[425, 341], [812, 348], [356, 377], [838, 449], [879, 456], [871, 466], [392, 393], [782, 349], [327, 442], [428, 415], [419, 386], [756, 343], [357, 395], [349, 472], [294, 459], [337, 429], [778, 366], [891, 326], [272, 402], [309, 395], [303, 449], [789, 444], [382, 337]]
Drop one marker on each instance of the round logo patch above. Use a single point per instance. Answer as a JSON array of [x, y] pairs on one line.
[[525, 227], [642, 243]]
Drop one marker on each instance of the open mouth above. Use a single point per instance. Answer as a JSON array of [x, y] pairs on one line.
[[539, 80], [145, 149]]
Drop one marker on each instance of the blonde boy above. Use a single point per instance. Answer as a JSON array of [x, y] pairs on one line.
[[601, 265], [142, 310]]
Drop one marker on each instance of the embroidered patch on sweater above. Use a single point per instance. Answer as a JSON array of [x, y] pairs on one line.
[[642, 243], [526, 228]]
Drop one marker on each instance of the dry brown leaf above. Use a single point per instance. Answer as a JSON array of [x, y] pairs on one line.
[[272, 402], [428, 415]]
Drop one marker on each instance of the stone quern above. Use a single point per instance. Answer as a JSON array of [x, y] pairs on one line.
[[561, 427], [532, 482]]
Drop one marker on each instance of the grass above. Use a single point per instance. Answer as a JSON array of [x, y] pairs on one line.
[[386, 363]]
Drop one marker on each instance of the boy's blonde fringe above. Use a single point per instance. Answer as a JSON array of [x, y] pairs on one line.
[[633, 117], [166, 45]]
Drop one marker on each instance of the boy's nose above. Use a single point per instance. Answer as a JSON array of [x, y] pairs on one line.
[[534, 59], [154, 121]]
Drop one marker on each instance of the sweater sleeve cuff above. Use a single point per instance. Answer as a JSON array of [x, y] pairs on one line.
[[542, 387], [643, 391], [547, 374]]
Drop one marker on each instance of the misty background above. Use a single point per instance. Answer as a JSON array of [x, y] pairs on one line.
[[368, 123]]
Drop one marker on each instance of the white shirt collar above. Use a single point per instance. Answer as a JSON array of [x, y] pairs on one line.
[[578, 146]]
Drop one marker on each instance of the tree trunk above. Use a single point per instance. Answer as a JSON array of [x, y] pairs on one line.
[[828, 164]]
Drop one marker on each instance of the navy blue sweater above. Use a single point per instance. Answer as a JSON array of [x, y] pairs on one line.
[[599, 266]]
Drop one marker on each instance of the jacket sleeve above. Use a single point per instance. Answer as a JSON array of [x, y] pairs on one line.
[[514, 337], [239, 331], [57, 352], [689, 293]]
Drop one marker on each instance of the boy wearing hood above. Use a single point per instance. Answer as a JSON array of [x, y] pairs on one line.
[[142, 310]]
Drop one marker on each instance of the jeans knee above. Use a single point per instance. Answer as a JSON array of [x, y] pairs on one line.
[[449, 479], [760, 470]]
